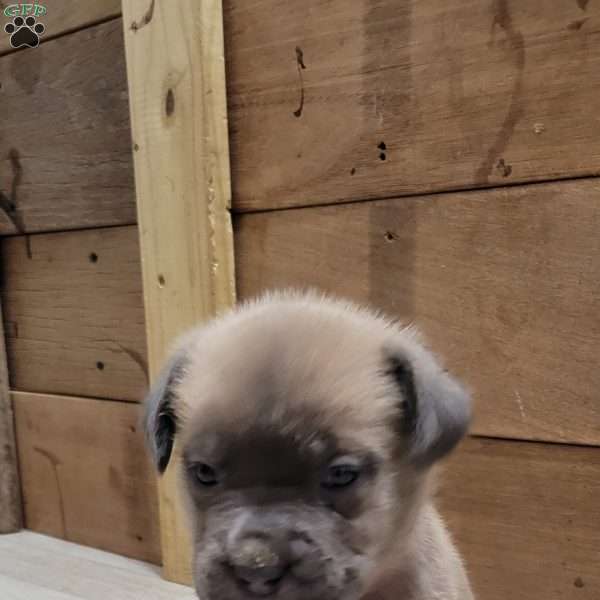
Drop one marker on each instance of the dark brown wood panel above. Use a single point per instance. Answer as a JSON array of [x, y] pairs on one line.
[[11, 512], [61, 16], [65, 142], [73, 311], [505, 284], [331, 100], [85, 473], [527, 518]]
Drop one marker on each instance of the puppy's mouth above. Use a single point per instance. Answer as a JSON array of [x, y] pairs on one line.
[[249, 587], [229, 584]]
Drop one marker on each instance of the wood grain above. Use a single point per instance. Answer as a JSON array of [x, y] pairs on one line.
[[74, 313], [11, 513], [504, 284], [526, 517], [462, 94], [64, 16], [176, 80], [65, 151], [85, 474]]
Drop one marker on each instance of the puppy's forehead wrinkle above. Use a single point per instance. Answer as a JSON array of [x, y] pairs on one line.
[[297, 440]]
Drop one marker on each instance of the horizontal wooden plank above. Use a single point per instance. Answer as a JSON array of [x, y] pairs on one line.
[[73, 313], [504, 283], [65, 151], [527, 518], [63, 16], [331, 100], [85, 473]]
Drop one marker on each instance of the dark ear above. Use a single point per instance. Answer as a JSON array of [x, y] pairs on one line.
[[435, 408], [160, 420]]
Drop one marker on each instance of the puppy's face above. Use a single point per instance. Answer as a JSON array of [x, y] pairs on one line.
[[307, 429]]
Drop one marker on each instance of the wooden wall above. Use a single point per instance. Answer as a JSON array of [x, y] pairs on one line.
[[434, 159], [438, 160], [71, 283]]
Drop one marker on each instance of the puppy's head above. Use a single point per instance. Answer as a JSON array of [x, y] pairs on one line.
[[307, 428]]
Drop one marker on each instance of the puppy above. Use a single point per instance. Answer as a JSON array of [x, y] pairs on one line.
[[308, 428]]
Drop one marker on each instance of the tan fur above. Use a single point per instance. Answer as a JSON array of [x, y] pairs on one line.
[[327, 357]]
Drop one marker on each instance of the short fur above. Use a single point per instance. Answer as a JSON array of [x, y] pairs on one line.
[[261, 402]]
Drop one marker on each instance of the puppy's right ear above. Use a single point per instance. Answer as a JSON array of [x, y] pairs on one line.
[[160, 420]]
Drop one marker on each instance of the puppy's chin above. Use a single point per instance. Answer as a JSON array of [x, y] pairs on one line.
[[216, 583]]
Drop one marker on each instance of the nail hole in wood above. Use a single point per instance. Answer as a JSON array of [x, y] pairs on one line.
[[161, 280], [390, 236], [93, 257], [100, 365], [382, 156], [170, 103], [352, 171]]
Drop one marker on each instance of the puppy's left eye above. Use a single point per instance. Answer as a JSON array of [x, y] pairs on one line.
[[340, 476], [205, 474]]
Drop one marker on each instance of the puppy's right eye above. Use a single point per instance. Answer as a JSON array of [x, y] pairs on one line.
[[340, 476], [341, 473], [205, 474]]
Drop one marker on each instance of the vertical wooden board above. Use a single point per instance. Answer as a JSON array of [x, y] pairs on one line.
[[74, 314], [61, 16], [176, 80], [85, 475], [526, 517], [504, 283], [10, 491], [65, 148], [331, 100]]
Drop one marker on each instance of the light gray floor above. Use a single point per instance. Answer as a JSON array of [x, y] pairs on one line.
[[36, 567]]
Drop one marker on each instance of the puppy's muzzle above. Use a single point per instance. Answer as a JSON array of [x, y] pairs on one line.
[[263, 558]]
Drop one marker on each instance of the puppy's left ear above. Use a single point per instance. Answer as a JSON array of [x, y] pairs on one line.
[[435, 408], [160, 421]]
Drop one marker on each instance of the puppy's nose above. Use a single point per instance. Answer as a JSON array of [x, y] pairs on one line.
[[258, 565]]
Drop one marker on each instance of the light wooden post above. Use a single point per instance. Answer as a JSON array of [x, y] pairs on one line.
[[176, 73], [11, 515]]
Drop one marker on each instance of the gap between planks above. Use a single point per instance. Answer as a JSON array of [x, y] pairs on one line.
[[409, 196]]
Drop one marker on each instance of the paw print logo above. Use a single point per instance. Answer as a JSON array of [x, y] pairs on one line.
[[24, 32]]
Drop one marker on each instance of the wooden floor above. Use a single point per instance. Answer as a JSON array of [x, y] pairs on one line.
[[36, 567]]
